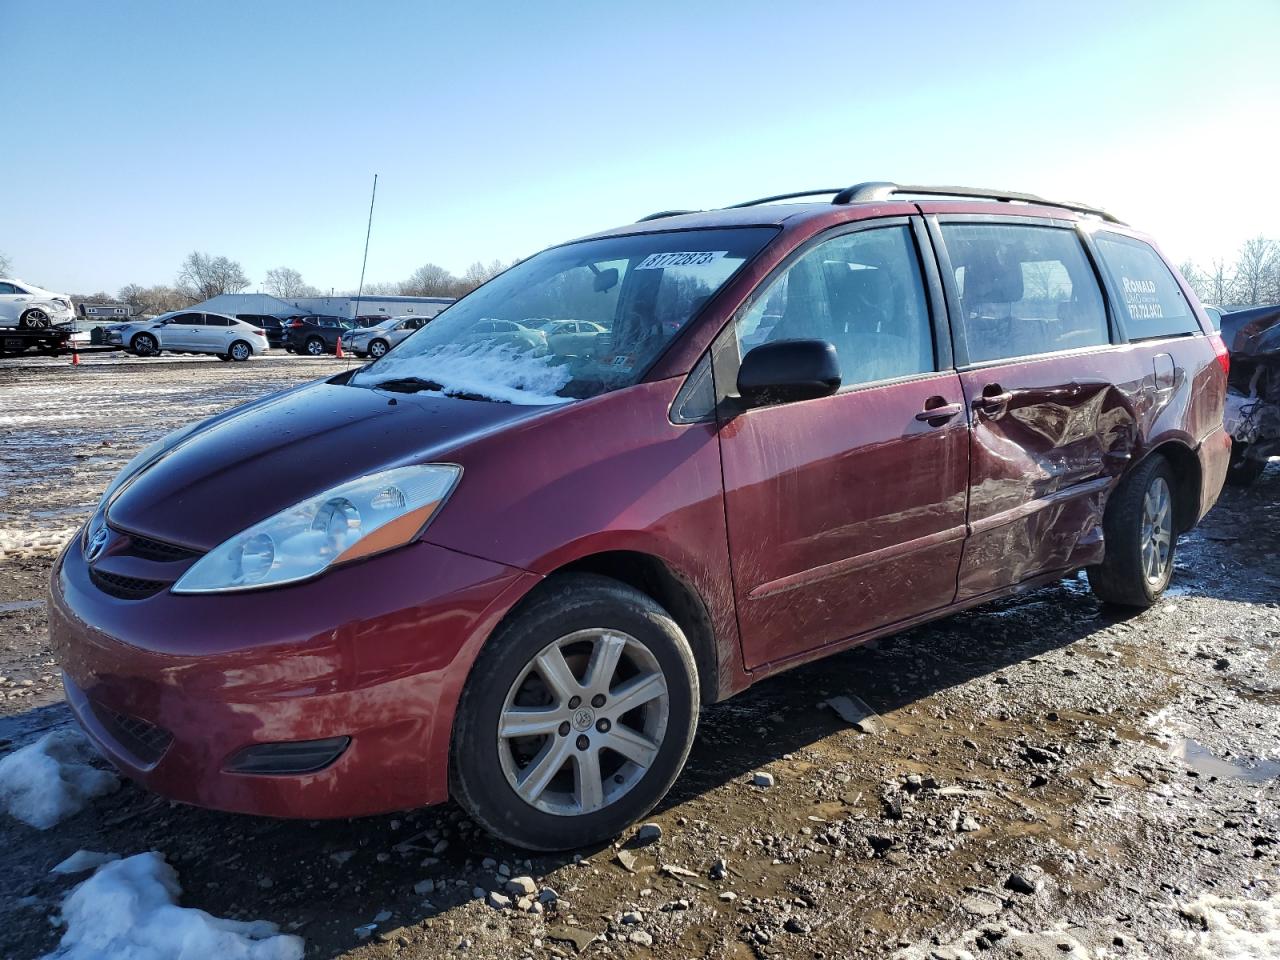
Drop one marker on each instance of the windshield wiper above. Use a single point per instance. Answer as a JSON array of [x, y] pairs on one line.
[[408, 385], [417, 384]]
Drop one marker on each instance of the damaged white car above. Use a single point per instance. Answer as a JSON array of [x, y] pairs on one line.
[[29, 307]]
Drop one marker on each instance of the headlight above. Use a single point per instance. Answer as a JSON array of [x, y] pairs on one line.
[[351, 521]]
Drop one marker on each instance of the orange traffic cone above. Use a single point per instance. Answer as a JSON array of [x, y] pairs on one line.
[[339, 352], [75, 358]]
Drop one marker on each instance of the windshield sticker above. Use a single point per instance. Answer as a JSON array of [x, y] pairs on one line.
[[696, 258], [1141, 298]]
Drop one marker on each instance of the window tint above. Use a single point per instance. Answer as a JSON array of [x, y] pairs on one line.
[[214, 320], [1024, 290], [7, 288], [1150, 297], [863, 293], [189, 319]]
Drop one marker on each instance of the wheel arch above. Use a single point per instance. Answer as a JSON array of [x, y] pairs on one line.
[[662, 583], [1187, 469]]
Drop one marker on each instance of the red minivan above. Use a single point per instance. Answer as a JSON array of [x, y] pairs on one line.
[[487, 568]]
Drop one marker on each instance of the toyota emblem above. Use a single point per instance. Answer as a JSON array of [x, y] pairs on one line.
[[96, 545]]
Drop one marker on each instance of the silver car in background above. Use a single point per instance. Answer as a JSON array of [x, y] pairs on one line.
[[377, 340]]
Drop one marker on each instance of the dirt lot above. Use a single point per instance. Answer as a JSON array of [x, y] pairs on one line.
[[1045, 779]]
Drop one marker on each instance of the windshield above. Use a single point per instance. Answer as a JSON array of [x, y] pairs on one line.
[[571, 322]]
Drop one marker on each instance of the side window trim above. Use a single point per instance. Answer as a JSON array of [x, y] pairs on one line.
[[934, 222], [724, 349]]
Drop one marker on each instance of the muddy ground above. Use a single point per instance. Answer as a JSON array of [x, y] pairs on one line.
[[1047, 777]]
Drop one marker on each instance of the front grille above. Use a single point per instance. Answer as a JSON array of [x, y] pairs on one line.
[[144, 740], [157, 550], [125, 588]]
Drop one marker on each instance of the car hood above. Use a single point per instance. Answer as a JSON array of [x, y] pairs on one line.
[[246, 465]]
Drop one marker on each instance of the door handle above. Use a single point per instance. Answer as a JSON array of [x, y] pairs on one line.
[[936, 416], [992, 404]]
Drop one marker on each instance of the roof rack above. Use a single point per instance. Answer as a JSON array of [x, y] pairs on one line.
[[664, 213], [781, 196], [883, 190]]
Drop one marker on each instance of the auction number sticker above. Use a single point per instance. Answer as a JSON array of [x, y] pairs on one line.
[[695, 258]]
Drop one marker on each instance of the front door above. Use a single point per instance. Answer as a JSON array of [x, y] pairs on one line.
[[1050, 429], [845, 513]]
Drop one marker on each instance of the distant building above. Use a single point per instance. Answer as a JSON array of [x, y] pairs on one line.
[[263, 304]]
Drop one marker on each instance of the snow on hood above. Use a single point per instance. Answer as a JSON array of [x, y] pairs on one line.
[[500, 372], [51, 779], [128, 911]]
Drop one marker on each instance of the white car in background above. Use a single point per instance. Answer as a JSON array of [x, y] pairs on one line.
[[377, 340], [29, 307], [185, 331]]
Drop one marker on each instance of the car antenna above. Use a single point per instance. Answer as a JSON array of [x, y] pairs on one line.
[[365, 262]]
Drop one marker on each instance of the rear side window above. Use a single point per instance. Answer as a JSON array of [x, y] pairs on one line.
[[863, 293], [1150, 298], [213, 320], [1024, 290]]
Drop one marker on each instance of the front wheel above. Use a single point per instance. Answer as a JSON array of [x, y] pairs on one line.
[[1243, 471], [35, 320], [1140, 535], [145, 345], [577, 717], [378, 349]]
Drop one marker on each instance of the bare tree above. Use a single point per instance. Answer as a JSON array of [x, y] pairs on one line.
[[153, 300], [479, 273], [1256, 271], [285, 283], [5, 265], [1218, 283], [203, 276], [429, 280]]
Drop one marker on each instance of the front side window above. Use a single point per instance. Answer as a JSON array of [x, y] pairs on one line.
[[189, 319], [7, 288], [862, 292], [1024, 290], [640, 291], [1150, 297]]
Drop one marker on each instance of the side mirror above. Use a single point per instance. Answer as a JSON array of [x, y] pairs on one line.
[[785, 371]]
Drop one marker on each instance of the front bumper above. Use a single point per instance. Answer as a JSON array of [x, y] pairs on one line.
[[171, 688]]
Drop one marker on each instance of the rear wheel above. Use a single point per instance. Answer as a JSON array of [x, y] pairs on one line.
[[240, 351], [315, 346], [1243, 471], [1140, 536], [223, 356], [577, 717], [144, 345], [377, 348], [35, 320]]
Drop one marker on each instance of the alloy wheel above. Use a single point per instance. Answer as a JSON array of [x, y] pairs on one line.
[[583, 722], [239, 351], [1157, 531], [315, 347], [377, 349], [36, 320]]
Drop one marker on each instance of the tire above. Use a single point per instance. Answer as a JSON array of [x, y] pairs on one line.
[[1243, 471], [378, 348], [572, 617], [144, 345], [35, 319], [315, 347], [1138, 512], [239, 351], [224, 356]]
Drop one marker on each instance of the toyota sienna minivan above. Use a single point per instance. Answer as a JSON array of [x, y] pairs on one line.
[[478, 568]]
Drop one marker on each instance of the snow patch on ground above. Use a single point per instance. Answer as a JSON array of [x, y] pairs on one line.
[[497, 373], [18, 542], [128, 911], [52, 779], [1232, 929]]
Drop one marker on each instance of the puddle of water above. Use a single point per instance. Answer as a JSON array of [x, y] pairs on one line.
[[1201, 759], [15, 605]]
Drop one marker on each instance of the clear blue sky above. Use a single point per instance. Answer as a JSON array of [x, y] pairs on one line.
[[137, 132]]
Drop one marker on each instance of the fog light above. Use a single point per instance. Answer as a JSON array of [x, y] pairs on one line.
[[296, 756]]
